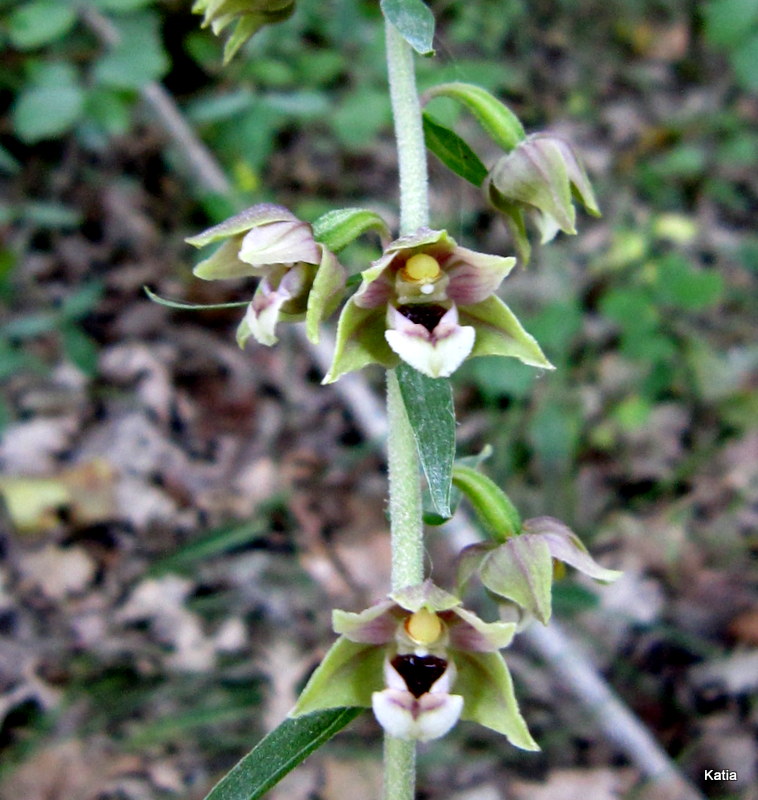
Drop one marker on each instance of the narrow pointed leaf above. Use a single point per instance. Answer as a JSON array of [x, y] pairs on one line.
[[280, 752], [336, 229], [429, 403], [163, 301], [498, 121], [414, 21], [453, 151]]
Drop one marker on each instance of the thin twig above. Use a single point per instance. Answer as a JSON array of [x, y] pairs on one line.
[[562, 655]]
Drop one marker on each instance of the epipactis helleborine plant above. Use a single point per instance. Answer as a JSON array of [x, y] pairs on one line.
[[299, 277], [422, 662], [431, 303]]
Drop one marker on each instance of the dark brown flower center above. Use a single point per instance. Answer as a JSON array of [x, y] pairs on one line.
[[419, 672], [424, 314]]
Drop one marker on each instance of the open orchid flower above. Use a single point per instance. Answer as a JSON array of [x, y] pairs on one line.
[[421, 662], [299, 277], [520, 570], [541, 176], [431, 303]]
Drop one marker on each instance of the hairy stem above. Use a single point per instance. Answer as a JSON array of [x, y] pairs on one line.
[[409, 133], [406, 523], [406, 520]]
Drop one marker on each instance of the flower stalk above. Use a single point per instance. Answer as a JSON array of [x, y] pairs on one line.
[[404, 474]]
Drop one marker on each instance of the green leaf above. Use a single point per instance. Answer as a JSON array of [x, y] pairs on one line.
[[163, 301], [44, 112], [210, 544], [337, 229], [500, 123], [137, 59], [279, 753], [39, 23], [79, 348], [728, 22], [414, 21], [492, 505], [429, 403], [121, 6], [744, 59], [453, 151]]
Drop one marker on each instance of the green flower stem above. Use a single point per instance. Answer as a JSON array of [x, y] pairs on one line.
[[399, 769], [406, 520], [409, 133]]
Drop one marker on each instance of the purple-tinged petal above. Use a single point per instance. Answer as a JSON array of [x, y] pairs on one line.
[[225, 263], [475, 276], [566, 546], [469, 632], [261, 214], [437, 353], [375, 625], [280, 243]]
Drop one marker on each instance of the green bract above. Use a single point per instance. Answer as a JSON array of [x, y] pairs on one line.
[[403, 657], [542, 176], [520, 570], [300, 277], [250, 16], [431, 303]]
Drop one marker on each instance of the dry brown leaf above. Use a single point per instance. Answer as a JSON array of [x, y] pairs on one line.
[[575, 784], [58, 571]]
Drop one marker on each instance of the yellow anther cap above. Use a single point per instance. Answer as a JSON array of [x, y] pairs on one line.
[[421, 267], [423, 626]]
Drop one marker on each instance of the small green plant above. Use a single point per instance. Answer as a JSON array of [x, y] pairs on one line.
[[427, 304]]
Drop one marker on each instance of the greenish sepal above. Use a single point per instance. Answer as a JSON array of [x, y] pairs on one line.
[[425, 595], [499, 333], [249, 24], [521, 570], [544, 185], [498, 121], [260, 214], [183, 306], [487, 689], [513, 216], [453, 151], [567, 547], [360, 341], [225, 263], [469, 561], [243, 333], [325, 294], [492, 505], [337, 229], [414, 21], [348, 675]]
